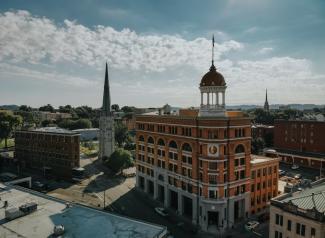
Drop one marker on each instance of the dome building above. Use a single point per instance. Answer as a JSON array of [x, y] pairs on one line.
[[213, 88]]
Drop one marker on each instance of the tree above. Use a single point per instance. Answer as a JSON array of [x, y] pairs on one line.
[[75, 124], [257, 145], [127, 109], [65, 109], [121, 133], [46, 108], [8, 123], [116, 107], [45, 123], [25, 108], [120, 159]]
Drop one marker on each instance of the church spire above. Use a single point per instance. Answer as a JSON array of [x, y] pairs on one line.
[[266, 104], [106, 108]]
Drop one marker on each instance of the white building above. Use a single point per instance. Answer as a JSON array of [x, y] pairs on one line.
[[299, 214]]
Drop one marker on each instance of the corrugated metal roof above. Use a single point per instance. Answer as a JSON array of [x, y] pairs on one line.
[[309, 199]]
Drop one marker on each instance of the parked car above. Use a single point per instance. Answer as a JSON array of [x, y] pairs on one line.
[[161, 211], [282, 172], [251, 225], [295, 166], [298, 176], [39, 186]]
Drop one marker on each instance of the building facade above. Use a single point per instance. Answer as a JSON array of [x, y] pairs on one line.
[[264, 182], [198, 162], [299, 214], [300, 142], [106, 123], [54, 151]]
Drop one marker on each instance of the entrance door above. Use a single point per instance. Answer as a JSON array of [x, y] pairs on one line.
[[161, 193], [187, 207], [173, 200], [213, 218]]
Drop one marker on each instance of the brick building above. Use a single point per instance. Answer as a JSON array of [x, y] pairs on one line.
[[54, 151], [300, 142], [264, 181], [198, 162]]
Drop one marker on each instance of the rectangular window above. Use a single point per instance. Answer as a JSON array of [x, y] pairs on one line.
[[298, 228], [313, 232], [252, 188], [289, 225], [253, 175], [303, 230]]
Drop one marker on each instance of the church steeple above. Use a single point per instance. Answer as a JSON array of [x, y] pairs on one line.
[[106, 108], [266, 104]]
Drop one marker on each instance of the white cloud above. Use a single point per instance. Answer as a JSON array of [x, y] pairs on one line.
[[28, 38], [265, 50], [145, 70]]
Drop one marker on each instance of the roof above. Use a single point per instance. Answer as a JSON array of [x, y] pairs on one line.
[[106, 108], [78, 220], [55, 130], [312, 198], [212, 78], [258, 159]]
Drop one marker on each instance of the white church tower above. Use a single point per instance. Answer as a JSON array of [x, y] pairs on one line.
[[106, 123]]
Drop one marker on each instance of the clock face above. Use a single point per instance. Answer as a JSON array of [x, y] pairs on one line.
[[213, 150]]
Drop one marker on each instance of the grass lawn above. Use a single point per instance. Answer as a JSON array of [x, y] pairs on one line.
[[89, 148], [11, 142]]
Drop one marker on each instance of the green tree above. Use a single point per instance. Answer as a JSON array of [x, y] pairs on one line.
[[75, 124], [121, 133], [65, 109], [127, 109], [258, 145], [116, 107], [120, 159], [8, 123], [25, 108], [46, 108]]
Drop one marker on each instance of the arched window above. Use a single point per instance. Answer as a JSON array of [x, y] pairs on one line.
[[141, 138], [150, 140], [161, 142], [173, 144], [187, 147], [240, 149]]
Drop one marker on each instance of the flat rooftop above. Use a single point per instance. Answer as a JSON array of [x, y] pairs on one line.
[[53, 130], [78, 220], [257, 159]]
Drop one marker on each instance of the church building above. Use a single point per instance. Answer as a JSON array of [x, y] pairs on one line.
[[106, 123]]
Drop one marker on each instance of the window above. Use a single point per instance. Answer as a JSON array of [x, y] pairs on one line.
[[289, 225], [312, 232], [258, 173], [252, 188], [253, 175], [278, 219], [278, 234]]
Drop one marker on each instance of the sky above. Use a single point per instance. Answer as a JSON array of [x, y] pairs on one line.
[[157, 51]]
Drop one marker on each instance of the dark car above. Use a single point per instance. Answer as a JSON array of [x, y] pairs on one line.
[[39, 186]]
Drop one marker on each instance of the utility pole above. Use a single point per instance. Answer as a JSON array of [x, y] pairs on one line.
[[104, 198]]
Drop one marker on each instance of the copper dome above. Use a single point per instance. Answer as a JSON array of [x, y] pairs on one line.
[[213, 78]]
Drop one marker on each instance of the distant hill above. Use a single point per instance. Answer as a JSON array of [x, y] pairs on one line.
[[278, 106], [9, 107]]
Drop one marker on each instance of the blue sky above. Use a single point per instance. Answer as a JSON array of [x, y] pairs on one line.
[[55, 51]]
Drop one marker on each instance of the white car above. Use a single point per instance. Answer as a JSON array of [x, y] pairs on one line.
[[298, 176], [295, 166], [251, 225], [161, 211]]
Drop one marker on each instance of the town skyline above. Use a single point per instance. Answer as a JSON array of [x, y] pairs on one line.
[[47, 52]]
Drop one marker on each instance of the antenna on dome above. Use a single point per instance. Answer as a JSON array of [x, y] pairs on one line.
[[212, 49]]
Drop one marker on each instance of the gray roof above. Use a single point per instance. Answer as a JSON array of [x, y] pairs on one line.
[[78, 220], [311, 198], [57, 130]]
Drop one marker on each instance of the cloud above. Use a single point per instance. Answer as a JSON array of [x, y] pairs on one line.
[[33, 39], [145, 69], [252, 30], [265, 50]]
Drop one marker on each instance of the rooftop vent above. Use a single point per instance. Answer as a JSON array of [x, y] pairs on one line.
[[58, 230]]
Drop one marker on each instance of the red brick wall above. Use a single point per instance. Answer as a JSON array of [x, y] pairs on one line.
[[306, 136]]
